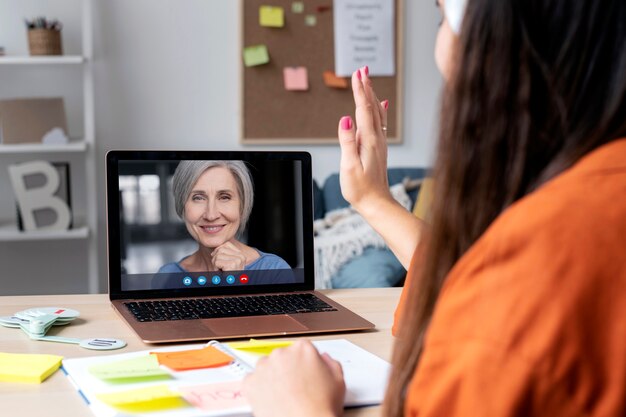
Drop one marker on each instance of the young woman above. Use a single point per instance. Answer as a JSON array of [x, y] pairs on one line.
[[515, 303]]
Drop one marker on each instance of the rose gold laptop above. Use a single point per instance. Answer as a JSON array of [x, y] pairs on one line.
[[213, 245]]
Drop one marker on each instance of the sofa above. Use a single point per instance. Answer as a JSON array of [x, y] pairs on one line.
[[375, 267]]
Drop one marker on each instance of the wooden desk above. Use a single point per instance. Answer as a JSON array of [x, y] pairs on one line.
[[56, 396]]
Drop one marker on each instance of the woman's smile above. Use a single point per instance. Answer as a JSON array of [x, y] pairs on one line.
[[212, 229]]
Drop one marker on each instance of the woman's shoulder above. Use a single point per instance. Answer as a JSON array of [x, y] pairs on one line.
[[268, 261], [170, 268]]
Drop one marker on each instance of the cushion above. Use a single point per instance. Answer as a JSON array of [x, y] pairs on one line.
[[319, 208], [332, 191], [376, 267], [424, 199]]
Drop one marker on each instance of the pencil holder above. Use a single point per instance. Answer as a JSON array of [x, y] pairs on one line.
[[44, 42]]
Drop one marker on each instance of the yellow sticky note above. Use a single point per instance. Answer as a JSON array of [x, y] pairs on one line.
[[296, 78], [144, 400], [272, 16], [259, 347], [255, 55], [143, 368], [26, 367], [184, 360]]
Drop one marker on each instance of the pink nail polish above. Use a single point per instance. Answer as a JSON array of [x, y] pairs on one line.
[[386, 104], [358, 74], [367, 70], [346, 123]]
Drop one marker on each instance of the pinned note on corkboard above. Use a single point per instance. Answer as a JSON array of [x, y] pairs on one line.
[[274, 114]]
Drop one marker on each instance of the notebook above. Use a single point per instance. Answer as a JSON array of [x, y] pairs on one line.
[[143, 389], [211, 245]]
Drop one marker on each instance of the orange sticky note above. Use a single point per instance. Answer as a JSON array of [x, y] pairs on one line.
[[296, 78], [185, 360], [331, 80]]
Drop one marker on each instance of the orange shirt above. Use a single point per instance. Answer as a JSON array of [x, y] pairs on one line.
[[532, 319]]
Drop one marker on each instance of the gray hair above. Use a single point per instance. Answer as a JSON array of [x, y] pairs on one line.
[[188, 172]]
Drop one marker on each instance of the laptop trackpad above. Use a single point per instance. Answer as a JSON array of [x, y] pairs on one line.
[[257, 325]]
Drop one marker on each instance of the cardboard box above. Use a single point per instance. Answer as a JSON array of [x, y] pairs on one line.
[[27, 120]]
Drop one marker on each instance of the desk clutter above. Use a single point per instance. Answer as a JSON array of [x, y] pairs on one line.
[[204, 380], [36, 322]]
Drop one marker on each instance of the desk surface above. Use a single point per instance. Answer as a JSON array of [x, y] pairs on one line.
[[56, 395]]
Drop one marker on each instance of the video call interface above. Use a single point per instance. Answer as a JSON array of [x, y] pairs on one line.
[[206, 224]]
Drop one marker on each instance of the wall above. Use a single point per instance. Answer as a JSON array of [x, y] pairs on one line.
[[166, 75]]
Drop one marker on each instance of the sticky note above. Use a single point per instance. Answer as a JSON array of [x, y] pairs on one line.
[[142, 368], [184, 360], [215, 397], [272, 16], [331, 80], [259, 347], [310, 20], [255, 55], [297, 7], [26, 367], [144, 400], [296, 78]]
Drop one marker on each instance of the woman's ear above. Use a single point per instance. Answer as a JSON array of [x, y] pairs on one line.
[[455, 10]]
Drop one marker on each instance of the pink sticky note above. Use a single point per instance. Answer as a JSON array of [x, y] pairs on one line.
[[296, 78], [213, 397]]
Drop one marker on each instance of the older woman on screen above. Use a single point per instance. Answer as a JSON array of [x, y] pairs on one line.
[[214, 199]]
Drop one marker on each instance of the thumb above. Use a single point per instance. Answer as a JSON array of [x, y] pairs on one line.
[[334, 366], [347, 141]]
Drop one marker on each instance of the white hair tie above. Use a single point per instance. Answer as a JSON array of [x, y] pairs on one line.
[[455, 9]]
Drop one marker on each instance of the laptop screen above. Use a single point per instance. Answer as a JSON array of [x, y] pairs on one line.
[[208, 223]]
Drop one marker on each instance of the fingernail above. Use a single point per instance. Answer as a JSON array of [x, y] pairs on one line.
[[358, 74], [346, 122], [367, 70], [386, 104]]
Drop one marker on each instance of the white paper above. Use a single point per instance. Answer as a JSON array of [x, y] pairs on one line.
[[366, 376], [364, 35]]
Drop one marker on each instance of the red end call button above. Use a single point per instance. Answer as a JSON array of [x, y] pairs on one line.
[[243, 278]]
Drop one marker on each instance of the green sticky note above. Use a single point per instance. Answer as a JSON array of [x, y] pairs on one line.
[[297, 7], [272, 16], [144, 400], [310, 20], [27, 367], [255, 55], [140, 369]]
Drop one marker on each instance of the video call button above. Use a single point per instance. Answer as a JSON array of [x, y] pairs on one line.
[[201, 280], [187, 281], [216, 280], [243, 278], [230, 279]]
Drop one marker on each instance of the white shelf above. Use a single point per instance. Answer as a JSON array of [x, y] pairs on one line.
[[76, 146], [10, 233], [40, 60]]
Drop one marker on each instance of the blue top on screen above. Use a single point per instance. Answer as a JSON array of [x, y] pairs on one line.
[[265, 261]]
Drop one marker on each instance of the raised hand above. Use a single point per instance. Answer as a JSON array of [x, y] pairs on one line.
[[363, 170]]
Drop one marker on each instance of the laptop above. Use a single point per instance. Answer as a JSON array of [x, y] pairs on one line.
[[214, 245]]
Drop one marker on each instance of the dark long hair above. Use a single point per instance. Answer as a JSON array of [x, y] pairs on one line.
[[537, 85]]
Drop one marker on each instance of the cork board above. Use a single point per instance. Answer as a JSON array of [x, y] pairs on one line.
[[273, 115]]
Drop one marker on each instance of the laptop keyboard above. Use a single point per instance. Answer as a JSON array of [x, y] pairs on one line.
[[209, 308]]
